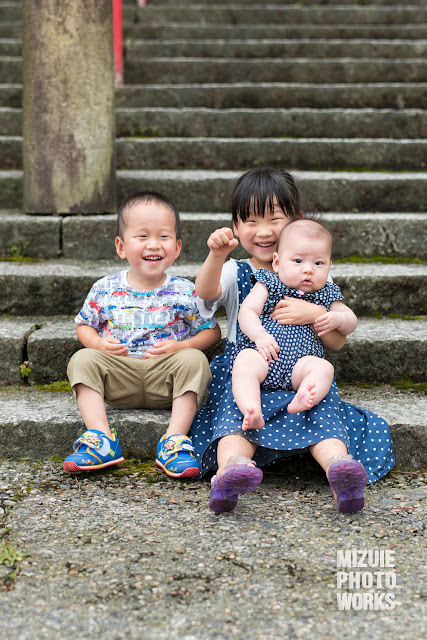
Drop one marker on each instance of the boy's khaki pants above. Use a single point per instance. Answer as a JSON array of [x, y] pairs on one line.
[[138, 383]]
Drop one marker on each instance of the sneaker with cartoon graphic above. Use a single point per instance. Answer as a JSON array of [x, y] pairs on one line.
[[175, 456], [93, 450]]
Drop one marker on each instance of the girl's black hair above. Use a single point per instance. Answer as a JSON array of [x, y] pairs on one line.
[[256, 189], [145, 197]]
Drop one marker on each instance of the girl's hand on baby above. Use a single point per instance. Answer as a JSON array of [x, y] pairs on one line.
[[267, 347], [165, 346], [327, 322], [222, 241], [112, 346], [293, 311]]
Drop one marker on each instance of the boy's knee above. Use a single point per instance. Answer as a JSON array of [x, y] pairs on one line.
[[82, 360], [193, 360]]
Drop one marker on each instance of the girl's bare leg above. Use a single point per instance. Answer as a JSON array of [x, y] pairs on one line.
[[233, 447], [311, 379], [324, 451], [249, 370]]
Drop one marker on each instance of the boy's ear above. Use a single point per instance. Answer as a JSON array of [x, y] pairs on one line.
[[275, 261], [178, 248], [120, 250]]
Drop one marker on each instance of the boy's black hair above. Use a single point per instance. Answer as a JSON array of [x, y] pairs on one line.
[[145, 197], [257, 188]]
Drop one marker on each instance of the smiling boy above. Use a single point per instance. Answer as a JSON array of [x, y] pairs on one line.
[[143, 338]]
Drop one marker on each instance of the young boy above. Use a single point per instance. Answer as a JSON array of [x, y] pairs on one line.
[[144, 339]]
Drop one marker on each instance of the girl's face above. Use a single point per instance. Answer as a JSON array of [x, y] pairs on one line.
[[259, 235]]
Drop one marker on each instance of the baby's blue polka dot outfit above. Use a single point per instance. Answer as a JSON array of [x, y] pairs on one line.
[[366, 436]]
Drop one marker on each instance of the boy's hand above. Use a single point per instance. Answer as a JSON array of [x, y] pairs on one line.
[[267, 346], [113, 346], [222, 241], [293, 311], [165, 346], [327, 322]]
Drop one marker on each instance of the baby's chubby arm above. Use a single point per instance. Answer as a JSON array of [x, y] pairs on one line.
[[339, 317], [203, 340], [90, 338], [293, 311], [250, 322], [220, 243]]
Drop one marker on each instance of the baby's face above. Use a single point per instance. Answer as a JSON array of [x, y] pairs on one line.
[[303, 263]]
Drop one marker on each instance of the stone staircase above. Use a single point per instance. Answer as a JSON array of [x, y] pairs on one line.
[[335, 92]]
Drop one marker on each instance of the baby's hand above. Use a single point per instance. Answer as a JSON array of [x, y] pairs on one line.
[[267, 346], [222, 241], [327, 322], [165, 346], [112, 346]]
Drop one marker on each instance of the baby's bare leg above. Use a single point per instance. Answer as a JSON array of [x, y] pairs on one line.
[[249, 370], [311, 379]]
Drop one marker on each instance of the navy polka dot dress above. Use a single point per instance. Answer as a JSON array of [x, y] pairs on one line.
[[366, 436], [295, 341]]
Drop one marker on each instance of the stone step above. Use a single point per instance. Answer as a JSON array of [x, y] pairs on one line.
[[280, 95], [379, 351], [197, 70], [59, 286], [227, 32], [279, 2], [261, 48], [262, 123], [209, 190], [266, 48], [397, 235], [266, 14], [322, 70], [37, 424], [239, 153]]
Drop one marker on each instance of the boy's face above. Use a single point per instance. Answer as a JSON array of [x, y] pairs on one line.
[[259, 235], [303, 263], [149, 244]]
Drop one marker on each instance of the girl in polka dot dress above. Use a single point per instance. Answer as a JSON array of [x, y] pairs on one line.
[[348, 442]]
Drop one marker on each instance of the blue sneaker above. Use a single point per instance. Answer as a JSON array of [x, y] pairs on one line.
[[175, 456], [93, 450]]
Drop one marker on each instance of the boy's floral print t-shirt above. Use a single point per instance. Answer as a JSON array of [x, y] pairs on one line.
[[142, 318]]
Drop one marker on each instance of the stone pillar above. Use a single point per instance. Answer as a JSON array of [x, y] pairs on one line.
[[68, 104]]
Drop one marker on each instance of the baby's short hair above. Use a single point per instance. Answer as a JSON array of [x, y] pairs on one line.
[[145, 197], [311, 227]]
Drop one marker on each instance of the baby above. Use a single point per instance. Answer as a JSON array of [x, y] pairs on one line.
[[285, 356]]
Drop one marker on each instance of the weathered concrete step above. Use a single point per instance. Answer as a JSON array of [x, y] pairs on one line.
[[11, 29], [328, 191], [265, 48], [280, 95], [261, 48], [37, 425], [196, 70], [239, 153], [59, 286], [364, 234], [220, 13], [210, 190], [285, 2], [322, 70], [10, 11], [236, 123], [381, 350], [262, 31]]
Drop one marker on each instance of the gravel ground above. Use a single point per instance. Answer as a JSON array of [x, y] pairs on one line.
[[130, 554]]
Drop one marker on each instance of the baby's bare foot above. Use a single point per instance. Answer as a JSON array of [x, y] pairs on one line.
[[253, 419], [303, 400]]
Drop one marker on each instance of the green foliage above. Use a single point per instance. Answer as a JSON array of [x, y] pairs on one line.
[[380, 259], [25, 369], [57, 385], [8, 555]]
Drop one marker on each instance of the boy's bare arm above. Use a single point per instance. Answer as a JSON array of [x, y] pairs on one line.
[[220, 243], [90, 338], [203, 340]]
